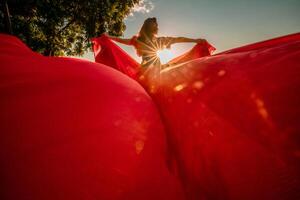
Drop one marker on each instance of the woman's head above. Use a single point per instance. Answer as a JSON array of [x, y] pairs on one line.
[[149, 29]]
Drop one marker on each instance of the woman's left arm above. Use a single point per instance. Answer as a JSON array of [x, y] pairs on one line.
[[184, 39], [168, 41]]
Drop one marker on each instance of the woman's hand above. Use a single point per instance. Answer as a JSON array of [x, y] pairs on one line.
[[200, 40]]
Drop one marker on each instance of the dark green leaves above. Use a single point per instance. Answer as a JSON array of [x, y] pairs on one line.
[[62, 27]]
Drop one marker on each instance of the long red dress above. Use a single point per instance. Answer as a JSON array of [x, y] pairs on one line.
[[232, 119], [217, 127], [77, 130]]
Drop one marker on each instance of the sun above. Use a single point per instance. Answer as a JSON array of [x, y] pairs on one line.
[[165, 55]]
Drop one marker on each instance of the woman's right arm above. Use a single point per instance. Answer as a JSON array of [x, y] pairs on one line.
[[120, 40]]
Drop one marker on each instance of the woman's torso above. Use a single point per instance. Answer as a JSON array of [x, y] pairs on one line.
[[148, 49]]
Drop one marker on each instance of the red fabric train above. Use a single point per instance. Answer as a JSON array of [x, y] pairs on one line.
[[72, 129], [232, 119], [217, 127]]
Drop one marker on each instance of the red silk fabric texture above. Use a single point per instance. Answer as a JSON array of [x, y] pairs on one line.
[[73, 130], [232, 119], [217, 127], [112, 55]]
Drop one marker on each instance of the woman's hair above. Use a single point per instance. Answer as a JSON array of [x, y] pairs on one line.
[[146, 31]]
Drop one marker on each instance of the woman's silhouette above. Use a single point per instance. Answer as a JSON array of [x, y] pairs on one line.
[[147, 43], [224, 130]]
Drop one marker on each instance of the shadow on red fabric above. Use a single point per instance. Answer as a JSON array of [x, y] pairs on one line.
[[232, 119]]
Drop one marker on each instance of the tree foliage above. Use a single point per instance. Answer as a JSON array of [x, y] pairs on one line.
[[64, 27]]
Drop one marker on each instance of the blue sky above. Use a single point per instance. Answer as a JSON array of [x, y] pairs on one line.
[[224, 23]]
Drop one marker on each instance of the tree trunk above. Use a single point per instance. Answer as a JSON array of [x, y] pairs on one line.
[[7, 18], [48, 52]]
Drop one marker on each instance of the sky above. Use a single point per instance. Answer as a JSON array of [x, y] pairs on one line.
[[226, 24]]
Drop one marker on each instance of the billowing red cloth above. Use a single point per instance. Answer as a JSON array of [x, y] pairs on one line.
[[198, 51], [232, 120], [72, 129], [108, 53]]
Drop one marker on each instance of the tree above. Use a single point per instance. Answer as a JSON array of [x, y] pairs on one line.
[[63, 27]]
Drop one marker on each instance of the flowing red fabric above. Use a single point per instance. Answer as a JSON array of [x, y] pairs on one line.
[[232, 120], [227, 124], [77, 130], [108, 53], [198, 51]]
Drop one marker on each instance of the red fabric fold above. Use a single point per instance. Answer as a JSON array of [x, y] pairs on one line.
[[198, 51], [108, 53], [73, 130], [232, 121]]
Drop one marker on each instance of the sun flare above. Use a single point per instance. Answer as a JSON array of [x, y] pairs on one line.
[[165, 55]]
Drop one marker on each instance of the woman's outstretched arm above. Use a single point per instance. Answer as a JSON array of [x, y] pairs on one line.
[[168, 41], [120, 40], [184, 39]]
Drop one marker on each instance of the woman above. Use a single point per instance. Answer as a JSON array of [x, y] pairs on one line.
[[147, 43], [227, 137]]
